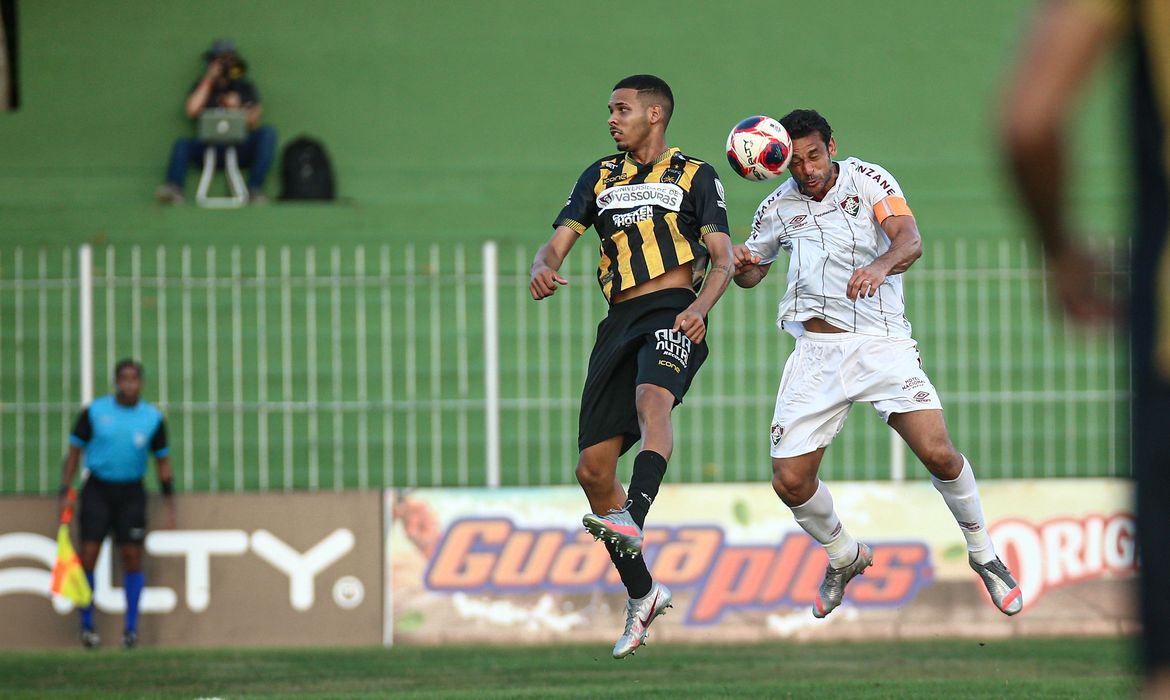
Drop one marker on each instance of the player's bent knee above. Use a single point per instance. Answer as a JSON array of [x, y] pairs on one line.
[[653, 400], [942, 460], [792, 488], [592, 474]]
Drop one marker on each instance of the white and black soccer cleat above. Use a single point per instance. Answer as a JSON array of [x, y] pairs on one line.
[[639, 614]]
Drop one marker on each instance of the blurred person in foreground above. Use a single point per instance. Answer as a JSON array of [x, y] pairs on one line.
[[850, 236], [1067, 41], [660, 216], [223, 85], [116, 432]]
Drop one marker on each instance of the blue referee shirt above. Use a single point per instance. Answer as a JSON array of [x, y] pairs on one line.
[[116, 438]]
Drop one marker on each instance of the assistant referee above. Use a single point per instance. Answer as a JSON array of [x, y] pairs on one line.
[[116, 432]]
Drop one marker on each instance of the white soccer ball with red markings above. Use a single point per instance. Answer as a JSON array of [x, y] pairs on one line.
[[759, 148]]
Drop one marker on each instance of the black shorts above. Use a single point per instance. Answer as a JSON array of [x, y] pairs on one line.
[[635, 345], [117, 505]]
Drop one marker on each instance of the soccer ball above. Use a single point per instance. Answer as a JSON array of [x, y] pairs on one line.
[[758, 148]]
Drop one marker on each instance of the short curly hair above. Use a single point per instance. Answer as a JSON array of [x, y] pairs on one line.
[[802, 122]]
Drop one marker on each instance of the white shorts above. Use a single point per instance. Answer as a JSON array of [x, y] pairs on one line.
[[828, 372]]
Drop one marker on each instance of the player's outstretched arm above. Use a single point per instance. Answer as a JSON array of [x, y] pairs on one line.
[[543, 278], [1066, 42]]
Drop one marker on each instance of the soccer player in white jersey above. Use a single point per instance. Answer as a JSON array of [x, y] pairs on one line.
[[850, 235]]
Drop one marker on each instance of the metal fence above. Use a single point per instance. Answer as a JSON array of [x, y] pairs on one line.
[[358, 367]]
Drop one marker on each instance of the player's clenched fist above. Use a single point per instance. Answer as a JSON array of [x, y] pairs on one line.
[[692, 324], [544, 282], [744, 258], [864, 282]]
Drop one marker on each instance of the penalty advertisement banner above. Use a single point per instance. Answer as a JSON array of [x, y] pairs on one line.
[[240, 570]]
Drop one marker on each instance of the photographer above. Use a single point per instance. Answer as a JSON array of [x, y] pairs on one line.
[[223, 85]]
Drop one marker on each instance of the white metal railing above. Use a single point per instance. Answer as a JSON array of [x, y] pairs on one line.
[[324, 368]]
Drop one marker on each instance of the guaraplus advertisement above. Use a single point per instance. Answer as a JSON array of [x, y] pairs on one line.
[[508, 564]]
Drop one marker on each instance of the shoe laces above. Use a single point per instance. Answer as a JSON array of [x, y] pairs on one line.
[[631, 615]]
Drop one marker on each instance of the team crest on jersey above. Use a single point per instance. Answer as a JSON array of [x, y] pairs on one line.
[[777, 433], [851, 205], [671, 176]]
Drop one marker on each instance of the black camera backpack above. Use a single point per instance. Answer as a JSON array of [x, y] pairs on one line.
[[306, 172]]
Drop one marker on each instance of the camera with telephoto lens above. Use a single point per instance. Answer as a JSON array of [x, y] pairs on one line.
[[233, 66]]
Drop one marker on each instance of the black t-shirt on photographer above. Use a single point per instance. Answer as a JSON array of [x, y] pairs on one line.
[[247, 91]]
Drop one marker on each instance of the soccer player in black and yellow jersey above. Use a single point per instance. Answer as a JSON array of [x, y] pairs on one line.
[[661, 218]]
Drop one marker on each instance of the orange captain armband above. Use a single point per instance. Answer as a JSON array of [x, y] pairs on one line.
[[891, 206]]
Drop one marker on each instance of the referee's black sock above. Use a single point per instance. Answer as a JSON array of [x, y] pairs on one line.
[[649, 468], [635, 575]]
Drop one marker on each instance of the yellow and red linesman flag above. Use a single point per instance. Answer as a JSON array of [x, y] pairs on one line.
[[68, 577]]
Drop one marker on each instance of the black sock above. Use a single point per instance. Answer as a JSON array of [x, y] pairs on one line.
[[649, 468], [633, 571]]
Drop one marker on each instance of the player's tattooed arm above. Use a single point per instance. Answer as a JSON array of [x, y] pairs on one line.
[[722, 268], [693, 319]]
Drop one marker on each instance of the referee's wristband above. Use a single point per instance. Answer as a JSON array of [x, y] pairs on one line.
[[168, 487]]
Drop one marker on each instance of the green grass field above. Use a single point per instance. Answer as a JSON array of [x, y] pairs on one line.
[[1043, 668]]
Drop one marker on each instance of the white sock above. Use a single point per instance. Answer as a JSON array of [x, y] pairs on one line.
[[817, 517], [962, 497]]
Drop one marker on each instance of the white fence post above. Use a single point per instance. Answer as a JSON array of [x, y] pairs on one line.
[[85, 315], [491, 357], [897, 457]]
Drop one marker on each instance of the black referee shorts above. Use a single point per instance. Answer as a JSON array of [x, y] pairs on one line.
[[635, 345], [107, 505]]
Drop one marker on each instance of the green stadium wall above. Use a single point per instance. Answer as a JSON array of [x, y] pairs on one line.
[[468, 120]]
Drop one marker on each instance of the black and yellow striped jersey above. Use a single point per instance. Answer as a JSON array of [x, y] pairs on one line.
[[651, 218]]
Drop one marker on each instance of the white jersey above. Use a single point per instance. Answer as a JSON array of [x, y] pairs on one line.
[[826, 241]]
